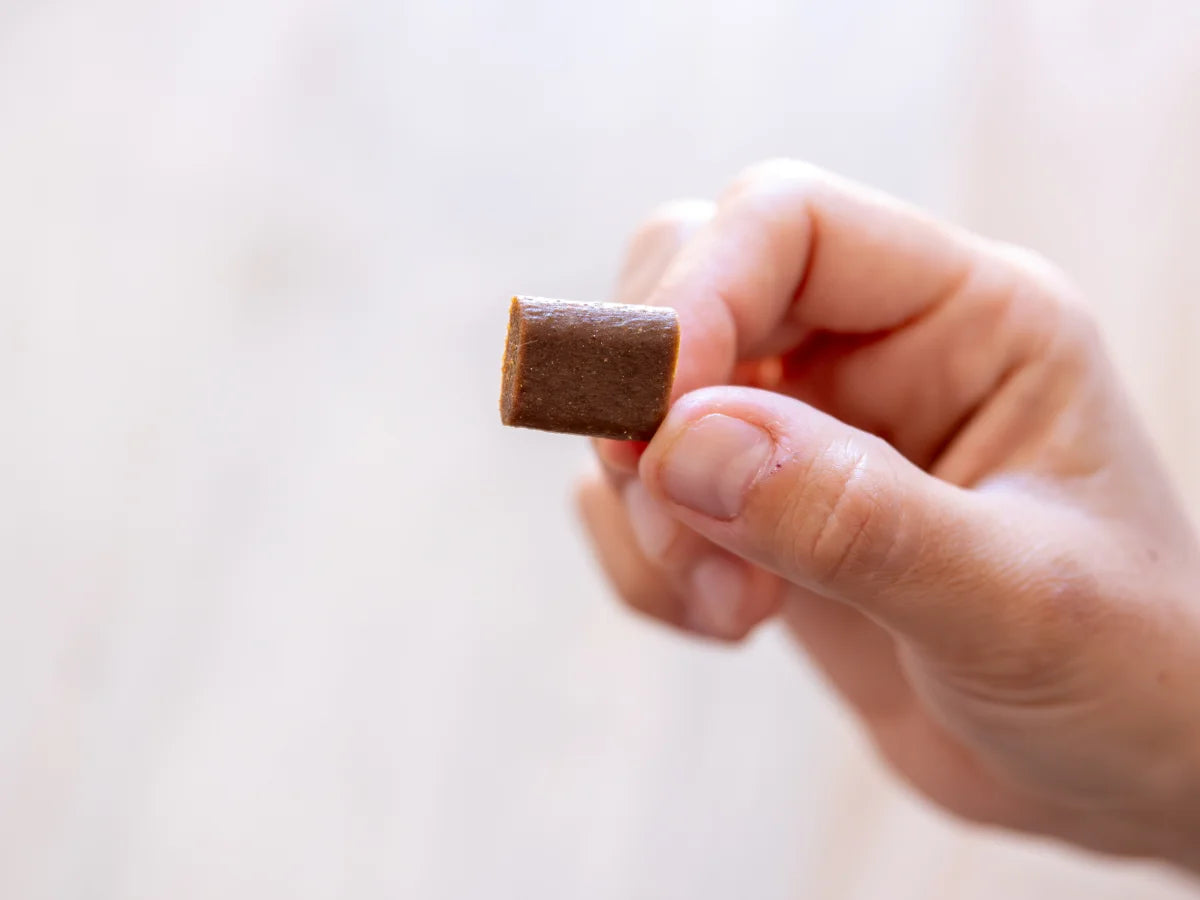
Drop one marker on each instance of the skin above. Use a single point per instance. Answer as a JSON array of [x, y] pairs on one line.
[[908, 443]]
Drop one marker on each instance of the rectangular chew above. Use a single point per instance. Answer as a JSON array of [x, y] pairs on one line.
[[599, 369]]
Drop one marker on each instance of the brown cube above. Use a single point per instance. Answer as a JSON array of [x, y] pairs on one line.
[[600, 369]]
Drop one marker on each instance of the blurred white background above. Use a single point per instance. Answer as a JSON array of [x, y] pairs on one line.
[[284, 612]]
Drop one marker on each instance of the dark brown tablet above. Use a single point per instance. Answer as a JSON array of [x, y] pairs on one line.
[[600, 369]]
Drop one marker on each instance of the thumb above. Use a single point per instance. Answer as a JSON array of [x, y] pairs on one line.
[[838, 511]]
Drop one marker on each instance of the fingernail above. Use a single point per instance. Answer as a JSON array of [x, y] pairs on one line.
[[711, 466], [653, 529], [718, 584]]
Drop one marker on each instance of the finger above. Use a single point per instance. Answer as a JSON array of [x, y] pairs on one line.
[[919, 385], [639, 583], [728, 600], [723, 596], [792, 251], [840, 512], [856, 655], [670, 573], [651, 248], [619, 459], [655, 243]]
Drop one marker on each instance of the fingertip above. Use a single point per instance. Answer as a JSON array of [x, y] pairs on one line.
[[675, 218], [656, 242], [653, 529], [729, 598]]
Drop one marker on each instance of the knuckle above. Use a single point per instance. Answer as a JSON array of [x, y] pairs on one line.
[[655, 242], [1040, 270], [668, 221], [772, 175], [1070, 330], [840, 539], [841, 523], [1046, 283], [646, 597], [680, 211]]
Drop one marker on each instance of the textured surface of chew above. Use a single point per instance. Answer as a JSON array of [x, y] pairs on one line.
[[600, 369]]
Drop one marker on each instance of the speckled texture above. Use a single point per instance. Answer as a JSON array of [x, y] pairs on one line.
[[598, 369]]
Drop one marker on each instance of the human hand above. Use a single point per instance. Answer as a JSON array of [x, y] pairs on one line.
[[908, 443]]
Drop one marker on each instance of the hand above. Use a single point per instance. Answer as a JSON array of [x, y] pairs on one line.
[[908, 443]]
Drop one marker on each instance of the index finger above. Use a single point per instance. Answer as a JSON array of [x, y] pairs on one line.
[[793, 250]]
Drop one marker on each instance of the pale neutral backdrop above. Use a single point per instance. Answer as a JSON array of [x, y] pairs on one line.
[[285, 613]]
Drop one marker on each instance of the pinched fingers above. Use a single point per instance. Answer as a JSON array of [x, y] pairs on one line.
[[651, 248], [668, 572]]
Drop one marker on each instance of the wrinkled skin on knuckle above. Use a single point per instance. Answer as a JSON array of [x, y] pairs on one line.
[[1077, 347], [770, 177], [841, 517], [661, 234], [1043, 275], [663, 221], [650, 240], [1068, 325]]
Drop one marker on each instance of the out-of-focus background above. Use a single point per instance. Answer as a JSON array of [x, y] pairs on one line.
[[285, 613]]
